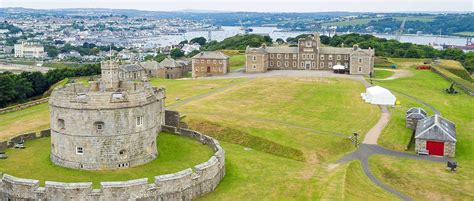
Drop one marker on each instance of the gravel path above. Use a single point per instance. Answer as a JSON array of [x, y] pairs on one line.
[[373, 135], [365, 150], [399, 73]]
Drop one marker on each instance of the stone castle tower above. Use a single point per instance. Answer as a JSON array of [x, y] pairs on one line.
[[110, 73], [109, 124]]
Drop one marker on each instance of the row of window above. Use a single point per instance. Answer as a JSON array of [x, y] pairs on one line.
[[278, 56], [321, 64], [308, 56], [203, 61], [287, 63], [208, 69], [99, 125]]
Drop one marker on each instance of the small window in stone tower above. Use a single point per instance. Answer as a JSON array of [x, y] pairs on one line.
[[139, 120], [79, 150], [61, 124], [254, 58], [99, 126], [360, 60]]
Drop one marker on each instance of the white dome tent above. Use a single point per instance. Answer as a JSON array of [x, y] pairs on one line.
[[379, 96]]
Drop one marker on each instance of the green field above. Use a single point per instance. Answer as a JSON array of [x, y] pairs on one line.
[[37, 117], [282, 135], [33, 162], [381, 74], [458, 108], [237, 61], [424, 180]]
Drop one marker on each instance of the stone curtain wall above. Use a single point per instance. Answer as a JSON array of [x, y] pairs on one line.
[[23, 106], [27, 136], [184, 185]]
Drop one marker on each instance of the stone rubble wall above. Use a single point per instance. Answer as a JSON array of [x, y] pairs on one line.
[[187, 184], [23, 105], [26, 136]]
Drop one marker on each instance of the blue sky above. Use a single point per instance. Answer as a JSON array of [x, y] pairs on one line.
[[255, 5]]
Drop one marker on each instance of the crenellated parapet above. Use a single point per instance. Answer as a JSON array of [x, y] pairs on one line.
[[187, 184]]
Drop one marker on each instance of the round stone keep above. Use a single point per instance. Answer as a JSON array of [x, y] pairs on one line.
[[98, 128]]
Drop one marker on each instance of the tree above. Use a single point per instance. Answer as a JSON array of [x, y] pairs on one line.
[[453, 53], [193, 53], [176, 53], [148, 57], [200, 40], [38, 81], [183, 42], [324, 39], [279, 41], [23, 88], [160, 57], [7, 89], [95, 51]]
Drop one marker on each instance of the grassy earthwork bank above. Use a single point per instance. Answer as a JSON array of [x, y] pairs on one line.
[[282, 136], [37, 117], [33, 162], [279, 131], [419, 179]]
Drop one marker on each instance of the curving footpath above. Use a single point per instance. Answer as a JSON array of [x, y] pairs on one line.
[[369, 146]]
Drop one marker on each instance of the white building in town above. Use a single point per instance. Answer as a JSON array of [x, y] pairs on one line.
[[29, 50]]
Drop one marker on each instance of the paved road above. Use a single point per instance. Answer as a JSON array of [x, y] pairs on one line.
[[365, 150]]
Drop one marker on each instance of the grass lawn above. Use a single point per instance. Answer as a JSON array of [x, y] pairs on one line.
[[456, 68], [381, 74], [424, 180], [177, 90], [458, 108], [37, 117], [348, 182], [237, 61], [34, 118], [33, 162], [317, 103], [63, 65], [255, 175], [276, 119]]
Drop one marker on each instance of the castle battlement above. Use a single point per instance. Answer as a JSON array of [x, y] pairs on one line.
[[182, 185], [108, 124]]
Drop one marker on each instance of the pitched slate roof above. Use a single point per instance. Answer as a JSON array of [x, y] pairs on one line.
[[335, 50], [131, 67], [211, 55], [282, 49], [416, 113], [436, 128], [170, 63], [151, 64]]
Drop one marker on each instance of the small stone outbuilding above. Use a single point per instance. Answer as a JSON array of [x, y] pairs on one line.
[[413, 115], [436, 136], [134, 71], [171, 69]]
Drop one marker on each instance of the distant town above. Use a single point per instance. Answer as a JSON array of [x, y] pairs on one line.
[[90, 35]]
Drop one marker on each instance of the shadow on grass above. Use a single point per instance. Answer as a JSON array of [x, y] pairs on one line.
[[239, 137]]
